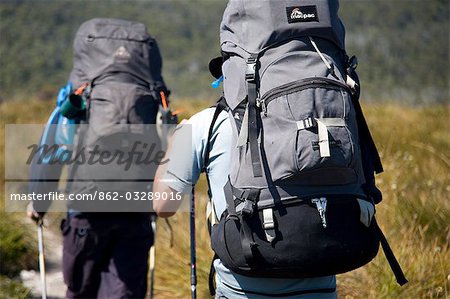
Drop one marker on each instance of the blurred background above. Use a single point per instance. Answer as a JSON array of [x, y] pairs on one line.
[[403, 52], [402, 46]]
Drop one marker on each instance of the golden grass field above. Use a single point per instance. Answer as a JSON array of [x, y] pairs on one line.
[[415, 214]]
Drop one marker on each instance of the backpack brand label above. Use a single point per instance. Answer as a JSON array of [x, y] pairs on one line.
[[297, 14], [122, 54]]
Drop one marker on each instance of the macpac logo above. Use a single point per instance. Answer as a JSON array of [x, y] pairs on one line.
[[297, 14], [302, 14]]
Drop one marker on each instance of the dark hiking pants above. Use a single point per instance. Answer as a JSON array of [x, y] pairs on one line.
[[106, 256]]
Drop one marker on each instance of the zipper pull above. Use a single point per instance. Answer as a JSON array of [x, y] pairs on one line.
[[329, 66], [321, 204]]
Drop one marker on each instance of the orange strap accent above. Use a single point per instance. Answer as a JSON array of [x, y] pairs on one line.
[[178, 111], [81, 89], [163, 100]]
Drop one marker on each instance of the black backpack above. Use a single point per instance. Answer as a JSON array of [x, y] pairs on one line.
[[301, 193]]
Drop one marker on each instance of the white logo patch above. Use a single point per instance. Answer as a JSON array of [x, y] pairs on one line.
[[297, 14], [122, 53]]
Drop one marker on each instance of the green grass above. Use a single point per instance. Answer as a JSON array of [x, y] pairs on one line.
[[18, 250], [415, 214], [17, 246], [11, 289]]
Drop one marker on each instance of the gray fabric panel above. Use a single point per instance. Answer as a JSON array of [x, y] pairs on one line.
[[234, 85], [256, 24], [287, 63], [297, 60], [104, 46], [119, 103], [117, 117]]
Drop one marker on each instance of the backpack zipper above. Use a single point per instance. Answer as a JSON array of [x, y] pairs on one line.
[[300, 85], [321, 204]]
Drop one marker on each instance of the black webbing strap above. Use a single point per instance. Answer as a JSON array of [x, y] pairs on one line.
[[247, 240], [212, 272], [221, 106], [250, 198], [365, 135], [395, 266], [250, 77]]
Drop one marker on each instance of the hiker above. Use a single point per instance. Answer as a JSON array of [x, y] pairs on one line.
[[298, 205], [181, 174], [109, 105]]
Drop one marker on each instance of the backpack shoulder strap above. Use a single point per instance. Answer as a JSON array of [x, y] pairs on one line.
[[363, 129], [220, 106]]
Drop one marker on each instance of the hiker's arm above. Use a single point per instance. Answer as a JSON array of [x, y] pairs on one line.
[[165, 181], [182, 171], [164, 208]]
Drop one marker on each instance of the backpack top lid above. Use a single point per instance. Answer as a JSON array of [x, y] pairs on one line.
[[104, 47], [254, 25]]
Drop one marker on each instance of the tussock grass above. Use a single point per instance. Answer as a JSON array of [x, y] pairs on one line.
[[415, 213]]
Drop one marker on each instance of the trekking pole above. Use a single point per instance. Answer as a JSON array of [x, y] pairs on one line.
[[152, 256], [41, 258], [193, 266]]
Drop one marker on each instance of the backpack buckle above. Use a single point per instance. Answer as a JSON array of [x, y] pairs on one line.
[[248, 208], [249, 197], [250, 73], [269, 225], [306, 123]]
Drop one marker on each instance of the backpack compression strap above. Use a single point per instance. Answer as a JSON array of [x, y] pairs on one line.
[[393, 263], [250, 78]]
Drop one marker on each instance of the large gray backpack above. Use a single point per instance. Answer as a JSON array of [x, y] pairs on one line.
[[117, 72], [300, 200]]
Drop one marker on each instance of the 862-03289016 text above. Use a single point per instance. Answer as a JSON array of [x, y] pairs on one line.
[[97, 195]]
